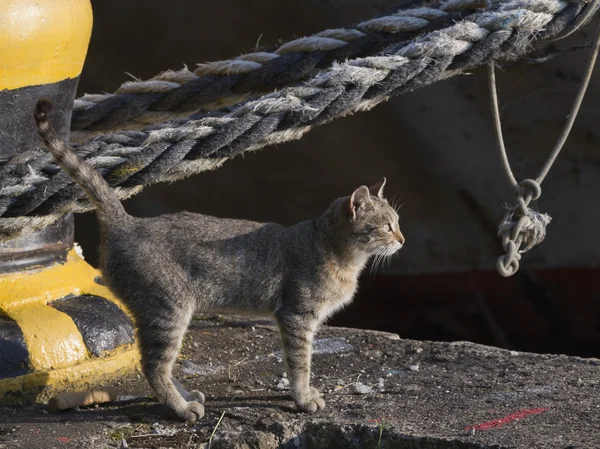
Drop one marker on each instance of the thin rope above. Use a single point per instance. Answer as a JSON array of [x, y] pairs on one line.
[[522, 227], [498, 127], [574, 110]]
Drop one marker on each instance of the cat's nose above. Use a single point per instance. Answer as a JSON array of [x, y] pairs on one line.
[[400, 238]]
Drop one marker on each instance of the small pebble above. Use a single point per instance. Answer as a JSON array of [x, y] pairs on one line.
[[414, 367], [283, 384], [380, 383], [360, 388], [159, 429]]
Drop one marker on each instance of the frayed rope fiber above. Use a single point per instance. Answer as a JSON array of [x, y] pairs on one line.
[[34, 192]]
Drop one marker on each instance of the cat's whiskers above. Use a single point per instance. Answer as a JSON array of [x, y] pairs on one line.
[[394, 205], [384, 255], [378, 256], [381, 256], [373, 262], [390, 253]]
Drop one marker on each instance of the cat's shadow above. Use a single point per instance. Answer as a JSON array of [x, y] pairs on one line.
[[145, 410]]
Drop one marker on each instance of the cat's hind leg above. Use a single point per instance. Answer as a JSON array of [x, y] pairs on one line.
[[160, 337]]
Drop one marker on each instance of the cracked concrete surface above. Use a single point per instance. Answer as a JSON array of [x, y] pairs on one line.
[[381, 392]]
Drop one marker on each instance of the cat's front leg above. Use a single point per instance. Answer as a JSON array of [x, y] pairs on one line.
[[189, 396], [297, 331]]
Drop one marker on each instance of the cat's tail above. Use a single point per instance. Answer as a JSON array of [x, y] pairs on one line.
[[109, 208]]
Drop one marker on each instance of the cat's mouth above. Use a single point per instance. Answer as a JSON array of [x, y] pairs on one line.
[[397, 246], [389, 248], [394, 246]]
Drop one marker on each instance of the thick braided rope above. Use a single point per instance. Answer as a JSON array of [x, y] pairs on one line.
[[222, 83], [35, 191]]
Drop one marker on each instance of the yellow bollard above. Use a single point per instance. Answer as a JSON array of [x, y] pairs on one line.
[[60, 327]]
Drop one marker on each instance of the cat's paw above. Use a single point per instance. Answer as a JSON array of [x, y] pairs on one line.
[[197, 396], [311, 406], [314, 393], [191, 412], [310, 402]]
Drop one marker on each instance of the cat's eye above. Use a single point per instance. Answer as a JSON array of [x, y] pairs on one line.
[[388, 227]]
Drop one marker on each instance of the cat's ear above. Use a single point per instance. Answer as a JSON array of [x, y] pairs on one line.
[[358, 199], [377, 189]]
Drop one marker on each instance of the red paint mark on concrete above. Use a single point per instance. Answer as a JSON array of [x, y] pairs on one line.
[[64, 439], [510, 418]]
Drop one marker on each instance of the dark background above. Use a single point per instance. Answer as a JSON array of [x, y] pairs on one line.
[[437, 150]]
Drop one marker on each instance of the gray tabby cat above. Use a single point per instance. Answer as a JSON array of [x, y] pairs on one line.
[[167, 268]]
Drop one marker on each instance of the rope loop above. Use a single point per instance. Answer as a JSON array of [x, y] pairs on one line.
[[508, 264], [530, 188]]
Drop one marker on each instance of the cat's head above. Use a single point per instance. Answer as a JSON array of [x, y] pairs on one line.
[[371, 222]]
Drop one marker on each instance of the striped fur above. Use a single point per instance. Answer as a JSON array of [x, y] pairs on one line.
[[169, 267], [96, 188]]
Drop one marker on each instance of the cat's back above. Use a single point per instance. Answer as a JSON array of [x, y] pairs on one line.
[[184, 226], [192, 236], [200, 227]]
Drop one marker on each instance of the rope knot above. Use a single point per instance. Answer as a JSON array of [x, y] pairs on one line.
[[521, 228], [527, 191], [530, 188]]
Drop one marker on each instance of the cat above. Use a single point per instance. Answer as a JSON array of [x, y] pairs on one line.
[[169, 267]]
